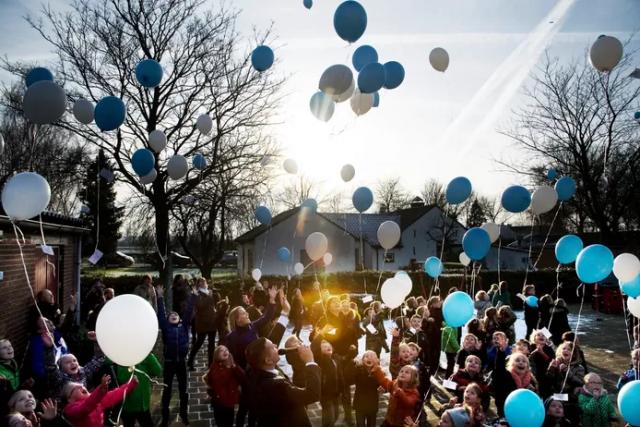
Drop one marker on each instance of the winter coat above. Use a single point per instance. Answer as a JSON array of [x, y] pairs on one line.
[[37, 349], [402, 402], [239, 339], [139, 400], [56, 378], [531, 317], [10, 372], [506, 325], [539, 362], [559, 323], [181, 294], [375, 341], [450, 341], [481, 307], [463, 378], [501, 298], [431, 352], [462, 355], [395, 364], [89, 412], [628, 375], [224, 384], [365, 399], [556, 378], [297, 310], [331, 377], [147, 293], [175, 337], [596, 411], [503, 382], [205, 307]]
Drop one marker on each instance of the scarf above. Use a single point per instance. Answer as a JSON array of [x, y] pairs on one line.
[[521, 380]]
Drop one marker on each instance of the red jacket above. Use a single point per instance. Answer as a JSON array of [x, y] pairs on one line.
[[402, 402], [224, 384], [89, 412]]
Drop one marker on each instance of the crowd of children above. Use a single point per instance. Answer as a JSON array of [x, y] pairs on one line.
[[483, 366]]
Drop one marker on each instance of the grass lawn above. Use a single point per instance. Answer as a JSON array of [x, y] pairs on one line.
[[140, 269]]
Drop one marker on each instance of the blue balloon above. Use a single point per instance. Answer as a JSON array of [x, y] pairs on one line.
[[307, 3], [457, 309], [362, 199], [637, 115], [568, 248], [458, 190], [371, 78], [433, 266], [311, 204], [628, 399], [552, 173], [394, 72], [531, 301], [262, 58], [476, 243], [594, 263], [37, 74], [284, 254], [363, 56], [376, 99], [566, 188], [350, 21], [263, 215], [110, 113], [143, 161], [199, 161], [631, 288], [516, 199], [524, 408], [149, 73]]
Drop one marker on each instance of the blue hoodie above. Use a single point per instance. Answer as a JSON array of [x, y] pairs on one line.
[[175, 337]]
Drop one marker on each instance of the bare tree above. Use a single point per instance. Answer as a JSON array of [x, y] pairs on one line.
[[98, 45], [433, 193], [580, 122], [294, 194], [390, 195]]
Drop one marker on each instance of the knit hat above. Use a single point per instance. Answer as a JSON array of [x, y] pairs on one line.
[[459, 417]]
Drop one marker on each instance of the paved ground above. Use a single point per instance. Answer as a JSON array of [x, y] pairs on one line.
[[602, 337]]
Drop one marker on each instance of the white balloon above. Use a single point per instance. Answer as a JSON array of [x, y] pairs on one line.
[[336, 79], [327, 258], [298, 268], [361, 103], [322, 106], [492, 229], [439, 59], [256, 274], [404, 283], [126, 329], [316, 245], [83, 111], [44, 102], [605, 53], [389, 234], [177, 167], [204, 124], [626, 267], [464, 259], [543, 199], [150, 177], [390, 293], [347, 172], [290, 166], [633, 304], [344, 96], [157, 140], [25, 195]]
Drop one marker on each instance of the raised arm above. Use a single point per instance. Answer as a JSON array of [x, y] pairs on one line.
[[311, 392], [82, 408], [117, 395], [162, 315]]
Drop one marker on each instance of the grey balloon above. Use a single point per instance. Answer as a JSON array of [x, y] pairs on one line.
[[44, 102], [83, 111], [336, 79]]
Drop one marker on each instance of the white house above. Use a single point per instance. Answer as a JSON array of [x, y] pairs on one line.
[[351, 235]]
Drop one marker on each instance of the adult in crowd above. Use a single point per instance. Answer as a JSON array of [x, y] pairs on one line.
[[205, 321], [146, 291]]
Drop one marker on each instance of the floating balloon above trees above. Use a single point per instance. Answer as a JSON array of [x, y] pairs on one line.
[[362, 199], [371, 78], [394, 74], [439, 59], [199, 161], [516, 199], [44, 102], [307, 3], [350, 21], [284, 254], [262, 58], [458, 190], [38, 74], [566, 188], [336, 79], [316, 245], [83, 111], [149, 73], [177, 167], [143, 161], [552, 174], [157, 140], [543, 199], [204, 124], [110, 113], [388, 234], [25, 195], [376, 99], [363, 56], [290, 166], [298, 268], [347, 172], [311, 204], [605, 53], [322, 106], [150, 177], [327, 259], [263, 215]]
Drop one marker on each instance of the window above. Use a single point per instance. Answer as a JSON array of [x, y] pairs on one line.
[[389, 257]]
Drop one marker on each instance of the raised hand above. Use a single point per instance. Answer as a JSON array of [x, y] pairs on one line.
[[286, 307], [305, 354], [49, 409], [104, 383], [159, 291], [272, 292]]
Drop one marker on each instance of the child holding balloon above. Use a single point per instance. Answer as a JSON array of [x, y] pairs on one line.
[[531, 312]]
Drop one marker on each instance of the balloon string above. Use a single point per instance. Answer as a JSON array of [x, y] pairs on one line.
[[264, 249], [98, 204], [546, 239], [626, 323], [499, 247], [526, 271], [566, 377], [364, 276], [380, 276], [162, 258], [158, 383], [124, 397]]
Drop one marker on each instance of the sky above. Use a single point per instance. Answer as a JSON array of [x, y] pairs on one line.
[[435, 125]]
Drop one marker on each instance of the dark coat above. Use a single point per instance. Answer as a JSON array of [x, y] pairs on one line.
[[205, 317], [239, 339], [365, 399], [175, 337], [559, 323], [331, 378]]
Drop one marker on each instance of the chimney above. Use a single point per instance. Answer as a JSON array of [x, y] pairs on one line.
[[417, 202]]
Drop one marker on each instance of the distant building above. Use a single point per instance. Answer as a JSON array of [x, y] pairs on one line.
[[353, 241]]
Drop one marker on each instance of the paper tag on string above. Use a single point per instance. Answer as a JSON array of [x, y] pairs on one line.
[[371, 329], [107, 175], [367, 299], [522, 297], [95, 257], [47, 250], [562, 397], [332, 331], [546, 333], [451, 385]]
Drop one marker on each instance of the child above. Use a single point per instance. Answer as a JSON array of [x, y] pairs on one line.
[[457, 417], [404, 398], [515, 375], [597, 409], [450, 345], [531, 314], [9, 373], [473, 402], [365, 399], [578, 354], [539, 359], [137, 405], [481, 304], [175, 335], [522, 346], [470, 346], [24, 404], [490, 323], [501, 341], [376, 335], [631, 373], [400, 354], [223, 380], [565, 375], [471, 373], [331, 381], [559, 321], [87, 410], [506, 322], [554, 414]]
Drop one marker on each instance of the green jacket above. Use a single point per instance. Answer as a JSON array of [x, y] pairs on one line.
[[596, 412], [9, 372], [139, 400], [449, 341]]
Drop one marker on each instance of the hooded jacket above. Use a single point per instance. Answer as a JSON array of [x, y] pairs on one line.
[[175, 337]]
